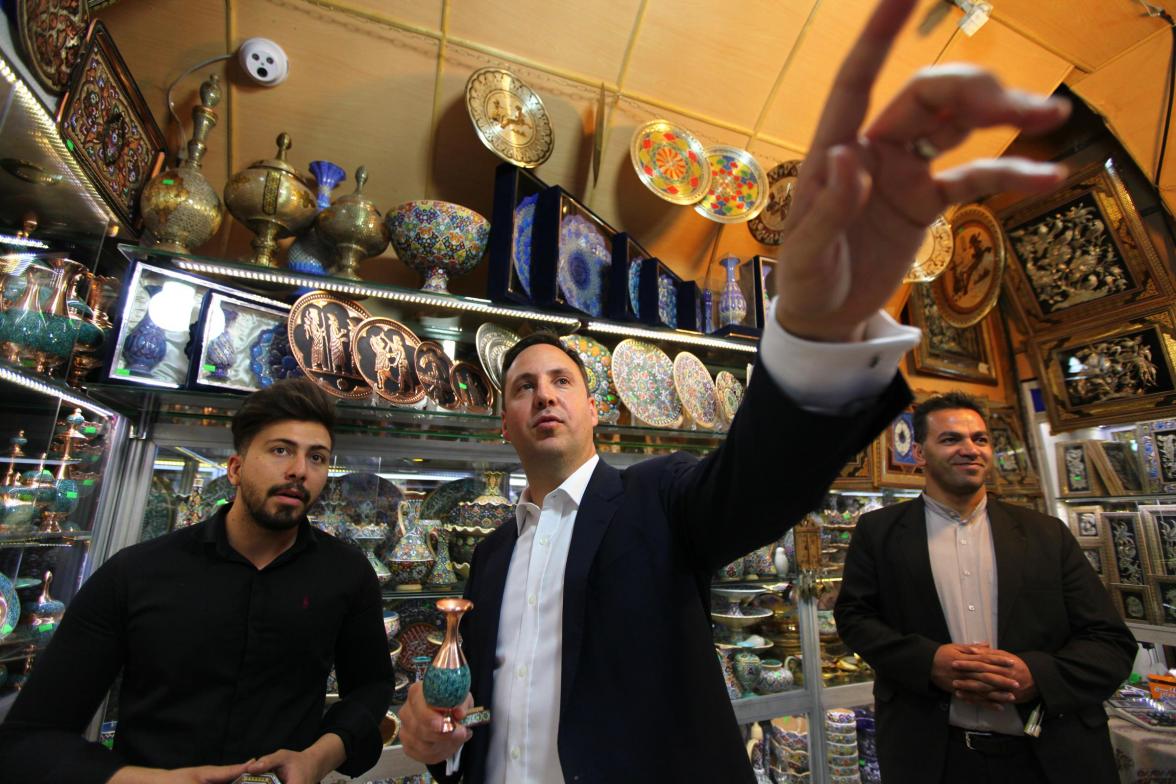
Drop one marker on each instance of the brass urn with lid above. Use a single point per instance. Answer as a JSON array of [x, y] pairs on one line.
[[181, 210], [272, 201], [354, 228]]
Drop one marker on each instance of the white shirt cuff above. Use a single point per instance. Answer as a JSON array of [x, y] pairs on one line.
[[453, 763], [833, 378]]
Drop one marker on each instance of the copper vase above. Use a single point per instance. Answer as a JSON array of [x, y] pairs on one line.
[[447, 681]]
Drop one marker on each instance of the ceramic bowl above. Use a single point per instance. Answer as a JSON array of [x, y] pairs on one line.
[[438, 239], [747, 617]]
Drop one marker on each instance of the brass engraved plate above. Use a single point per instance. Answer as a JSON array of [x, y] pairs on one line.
[[969, 287], [321, 331], [509, 117], [385, 354], [933, 255]]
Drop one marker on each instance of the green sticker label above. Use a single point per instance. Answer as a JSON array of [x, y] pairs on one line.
[[69, 143], [122, 371], [87, 482], [209, 367], [169, 182], [222, 502], [71, 495]]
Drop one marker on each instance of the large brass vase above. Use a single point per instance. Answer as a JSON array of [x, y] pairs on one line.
[[181, 210], [354, 228], [272, 201]]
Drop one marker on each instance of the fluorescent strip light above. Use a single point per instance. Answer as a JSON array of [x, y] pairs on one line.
[[22, 380], [665, 336]]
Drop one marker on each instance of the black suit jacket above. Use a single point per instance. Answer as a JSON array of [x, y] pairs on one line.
[[1052, 611], [642, 697]]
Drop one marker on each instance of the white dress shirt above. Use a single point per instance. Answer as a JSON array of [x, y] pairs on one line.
[[963, 563], [527, 665]]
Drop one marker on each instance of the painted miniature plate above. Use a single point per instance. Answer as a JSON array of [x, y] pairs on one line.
[[934, 254], [970, 286], [635, 285], [472, 387], [433, 367], [509, 117], [584, 260], [730, 394], [520, 248], [644, 377], [493, 342], [670, 161], [667, 301], [9, 607], [385, 351], [51, 34], [768, 226], [270, 358], [442, 503], [696, 390], [597, 361], [738, 186], [320, 331]]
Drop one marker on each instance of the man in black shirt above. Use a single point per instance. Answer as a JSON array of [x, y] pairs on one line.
[[224, 633]]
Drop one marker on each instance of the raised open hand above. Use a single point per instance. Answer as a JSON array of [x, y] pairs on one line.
[[865, 196]]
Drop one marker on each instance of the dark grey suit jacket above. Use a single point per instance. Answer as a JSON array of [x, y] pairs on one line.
[[642, 697], [1052, 611]]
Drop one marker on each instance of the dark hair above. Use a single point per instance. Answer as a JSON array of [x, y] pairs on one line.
[[297, 399], [954, 399], [542, 338]]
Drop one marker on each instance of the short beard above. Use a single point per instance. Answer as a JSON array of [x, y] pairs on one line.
[[286, 517]]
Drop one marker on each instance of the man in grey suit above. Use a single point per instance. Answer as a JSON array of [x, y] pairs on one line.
[[973, 614]]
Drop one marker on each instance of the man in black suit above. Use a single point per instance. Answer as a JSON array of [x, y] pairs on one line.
[[974, 614], [590, 638]]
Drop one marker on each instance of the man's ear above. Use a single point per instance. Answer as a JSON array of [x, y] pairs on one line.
[[505, 432], [920, 456], [233, 470]]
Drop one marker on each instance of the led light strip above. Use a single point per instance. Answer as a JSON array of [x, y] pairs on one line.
[[672, 337], [358, 289], [20, 379], [27, 242]]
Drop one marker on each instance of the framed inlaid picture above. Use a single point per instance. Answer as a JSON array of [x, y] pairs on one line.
[[1128, 543], [1096, 556], [1076, 476], [1157, 451], [1164, 595], [1011, 462], [1133, 601], [858, 473], [1160, 525], [970, 286], [895, 454], [1120, 371], [1081, 253], [1085, 524], [1118, 467], [964, 353], [107, 126]]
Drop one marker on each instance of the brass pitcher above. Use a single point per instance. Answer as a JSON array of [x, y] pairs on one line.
[[272, 201]]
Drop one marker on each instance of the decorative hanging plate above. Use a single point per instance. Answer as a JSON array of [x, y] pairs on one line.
[[738, 186], [584, 259], [934, 254], [9, 607], [729, 392], [493, 342], [433, 367], [442, 503], [384, 352], [667, 301], [696, 390], [768, 226], [644, 377], [270, 358], [635, 284], [520, 247], [509, 117], [51, 35], [969, 287], [321, 331], [472, 388], [598, 364], [670, 161]]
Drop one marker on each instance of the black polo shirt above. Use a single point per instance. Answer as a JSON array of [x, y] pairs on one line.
[[221, 661]]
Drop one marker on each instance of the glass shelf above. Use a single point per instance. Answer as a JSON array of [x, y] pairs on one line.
[[428, 593], [1139, 498], [51, 387], [43, 539]]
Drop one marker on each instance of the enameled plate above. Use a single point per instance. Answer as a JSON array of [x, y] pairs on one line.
[[9, 607], [584, 260], [644, 377], [729, 392], [738, 186], [635, 284], [520, 248], [51, 34], [442, 503], [597, 361], [696, 390], [433, 367], [472, 387], [385, 354], [768, 226], [270, 358], [670, 161], [509, 117], [667, 301], [321, 330], [934, 254], [493, 342]]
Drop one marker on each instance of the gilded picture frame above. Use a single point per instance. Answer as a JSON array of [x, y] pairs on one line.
[[1157, 451], [1160, 527], [1098, 557], [1129, 547], [964, 353], [1118, 467], [1120, 371], [1134, 602], [1164, 600], [1086, 525], [1076, 473], [1012, 463], [859, 473], [1081, 253], [969, 288], [107, 125]]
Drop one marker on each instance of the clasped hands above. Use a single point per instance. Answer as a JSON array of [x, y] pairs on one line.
[[982, 675]]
